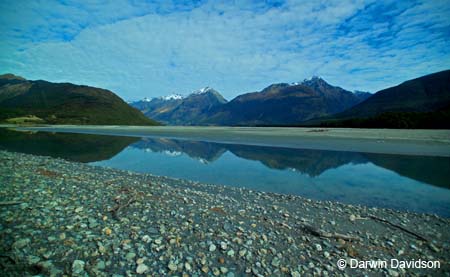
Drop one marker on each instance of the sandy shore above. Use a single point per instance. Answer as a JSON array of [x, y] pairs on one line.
[[59, 217], [387, 141]]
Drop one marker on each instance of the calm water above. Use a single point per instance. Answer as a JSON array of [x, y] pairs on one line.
[[414, 183]]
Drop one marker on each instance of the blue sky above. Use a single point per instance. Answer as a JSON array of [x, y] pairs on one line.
[[152, 48]]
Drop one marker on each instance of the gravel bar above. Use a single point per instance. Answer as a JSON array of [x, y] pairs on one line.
[[60, 218]]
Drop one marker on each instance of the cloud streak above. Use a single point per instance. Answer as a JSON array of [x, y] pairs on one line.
[[140, 49]]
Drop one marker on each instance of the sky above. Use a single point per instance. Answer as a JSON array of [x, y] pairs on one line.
[[143, 49]]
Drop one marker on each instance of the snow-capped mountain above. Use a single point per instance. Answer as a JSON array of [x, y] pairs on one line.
[[176, 109], [203, 90], [174, 96]]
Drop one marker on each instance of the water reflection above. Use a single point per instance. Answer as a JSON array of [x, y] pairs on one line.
[[72, 147], [416, 183], [430, 170]]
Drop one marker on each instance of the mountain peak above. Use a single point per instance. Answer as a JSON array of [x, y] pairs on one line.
[[314, 81], [173, 96], [211, 93], [203, 90]]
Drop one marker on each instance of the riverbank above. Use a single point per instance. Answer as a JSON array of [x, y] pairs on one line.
[[385, 141], [59, 217]]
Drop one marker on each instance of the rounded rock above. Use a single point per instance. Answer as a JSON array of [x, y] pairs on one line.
[[77, 267], [141, 268]]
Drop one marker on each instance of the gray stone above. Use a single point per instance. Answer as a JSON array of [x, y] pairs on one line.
[[141, 268], [275, 262], [78, 267], [21, 243], [130, 256], [100, 265], [172, 266]]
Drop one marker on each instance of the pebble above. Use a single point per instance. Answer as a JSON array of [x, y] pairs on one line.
[[227, 227], [100, 265], [434, 248], [275, 262], [21, 243], [78, 267], [141, 269], [172, 266], [130, 256], [107, 231], [140, 261], [146, 238], [216, 271], [212, 248], [187, 266], [33, 260], [318, 247], [223, 245]]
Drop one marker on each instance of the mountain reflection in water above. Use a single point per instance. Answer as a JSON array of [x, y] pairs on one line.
[[72, 147], [427, 169], [415, 183]]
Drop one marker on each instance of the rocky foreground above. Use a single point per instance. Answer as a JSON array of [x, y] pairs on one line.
[[63, 218]]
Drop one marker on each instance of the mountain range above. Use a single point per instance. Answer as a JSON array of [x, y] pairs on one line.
[[278, 104], [63, 103], [423, 102]]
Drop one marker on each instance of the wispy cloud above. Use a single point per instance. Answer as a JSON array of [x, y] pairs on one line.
[[142, 49]]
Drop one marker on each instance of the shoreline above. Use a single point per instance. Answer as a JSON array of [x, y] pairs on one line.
[[385, 141], [74, 218]]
